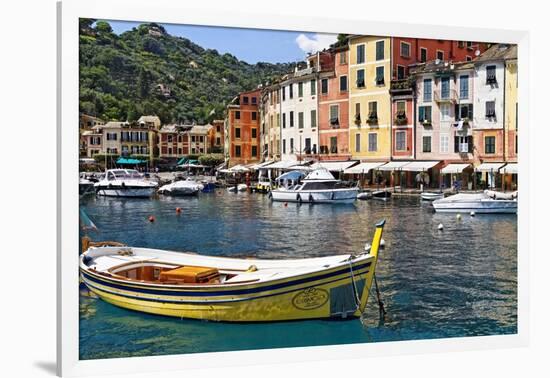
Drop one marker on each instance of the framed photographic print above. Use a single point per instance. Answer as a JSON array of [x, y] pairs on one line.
[[259, 188]]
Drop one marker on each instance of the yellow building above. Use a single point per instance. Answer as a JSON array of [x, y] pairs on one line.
[[370, 103], [511, 106]]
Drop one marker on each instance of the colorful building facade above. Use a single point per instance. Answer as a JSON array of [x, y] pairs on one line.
[[271, 122], [242, 129]]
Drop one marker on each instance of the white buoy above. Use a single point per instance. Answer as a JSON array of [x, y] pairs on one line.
[[382, 243], [472, 214], [458, 217], [368, 247], [440, 227]]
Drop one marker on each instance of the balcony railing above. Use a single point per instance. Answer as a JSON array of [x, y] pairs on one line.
[[446, 96]]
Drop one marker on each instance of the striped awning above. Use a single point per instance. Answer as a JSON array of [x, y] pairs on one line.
[[454, 168], [489, 167], [334, 166], [419, 166], [363, 168], [510, 168]]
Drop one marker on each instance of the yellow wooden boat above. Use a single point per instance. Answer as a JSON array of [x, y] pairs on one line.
[[187, 285]]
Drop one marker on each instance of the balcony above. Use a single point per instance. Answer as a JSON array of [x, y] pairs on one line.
[[372, 119], [335, 123], [358, 119], [401, 118], [426, 122], [449, 96], [401, 87], [491, 80]]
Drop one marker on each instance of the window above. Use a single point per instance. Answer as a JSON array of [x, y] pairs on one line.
[[400, 72], [426, 144], [427, 93], [313, 87], [290, 92], [324, 86], [464, 144], [301, 120], [284, 93], [360, 54], [464, 87], [291, 115], [245, 100], [490, 109], [445, 88], [254, 116], [358, 112], [169, 138], [405, 50], [343, 83], [379, 50], [254, 100], [300, 89], [180, 150], [469, 45], [237, 134], [380, 75], [423, 55], [360, 78], [357, 142], [373, 110], [491, 75], [461, 44], [313, 116], [169, 150], [284, 120], [343, 59], [401, 113], [334, 110], [445, 111], [373, 142], [254, 150], [489, 144], [444, 144], [425, 114], [468, 58], [237, 115], [111, 136], [401, 141], [254, 132], [291, 145], [218, 142], [238, 151], [464, 111], [333, 145], [307, 148], [440, 55], [284, 146]]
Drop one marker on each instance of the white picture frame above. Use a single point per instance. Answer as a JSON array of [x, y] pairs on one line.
[[163, 11]]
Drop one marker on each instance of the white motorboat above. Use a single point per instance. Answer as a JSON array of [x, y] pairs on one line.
[[85, 185], [125, 183], [188, 187], [319, 186], [431, 196], [486, 202]]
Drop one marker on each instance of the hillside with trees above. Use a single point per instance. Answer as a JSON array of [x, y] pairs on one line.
[[147, 71]]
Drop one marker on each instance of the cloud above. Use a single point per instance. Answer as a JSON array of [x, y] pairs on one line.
[[316, 43]]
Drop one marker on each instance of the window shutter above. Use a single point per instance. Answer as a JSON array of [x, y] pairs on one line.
[[470, 144], [471, 112], [457, 112], [420, 114], [456, 143]]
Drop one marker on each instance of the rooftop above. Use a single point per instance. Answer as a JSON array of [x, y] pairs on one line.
[[498, 51]]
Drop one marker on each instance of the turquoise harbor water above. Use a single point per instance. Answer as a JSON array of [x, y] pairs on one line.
[[461, 281]]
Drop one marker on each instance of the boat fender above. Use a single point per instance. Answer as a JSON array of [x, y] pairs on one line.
[[382, 244], [472, 214], [299, 198], [311, 200], [440, 227], [123, 184], [86, 260], [332, 196]]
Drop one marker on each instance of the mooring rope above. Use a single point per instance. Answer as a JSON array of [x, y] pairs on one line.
[[355, 292], [380, 303]]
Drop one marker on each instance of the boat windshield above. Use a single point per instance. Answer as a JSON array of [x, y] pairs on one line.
[[118, 174]]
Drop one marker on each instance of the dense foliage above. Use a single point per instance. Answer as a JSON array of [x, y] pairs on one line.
[[211, 160], [147, 71]]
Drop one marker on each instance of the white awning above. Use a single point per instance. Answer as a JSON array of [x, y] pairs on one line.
[[454, 168], [334, 166], [510, 168], [363, 168], [393, 166], [282, 164], [299, 168], [419, 166], [260, 165], [489, 167]]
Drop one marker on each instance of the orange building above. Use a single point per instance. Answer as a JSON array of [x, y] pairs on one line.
[[242, 139], [216, 136]]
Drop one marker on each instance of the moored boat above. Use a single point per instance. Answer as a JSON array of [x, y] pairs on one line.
[[125, 183], [382, 194], [237, 188], [186, 187], [319, 186], [431, 196], [187, 285], [486, 202]]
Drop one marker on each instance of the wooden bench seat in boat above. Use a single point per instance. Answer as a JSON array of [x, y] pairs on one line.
[[190, 274]]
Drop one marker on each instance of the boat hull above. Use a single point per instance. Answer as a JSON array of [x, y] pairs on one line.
[[427, 196], [126, 192], [343, 196], [325, 294], [479, 207]]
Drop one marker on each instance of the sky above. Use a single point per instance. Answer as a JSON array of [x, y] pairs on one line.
[[250, 45]]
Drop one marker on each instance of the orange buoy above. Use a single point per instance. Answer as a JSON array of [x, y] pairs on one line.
[[178, 210], [151, 218]]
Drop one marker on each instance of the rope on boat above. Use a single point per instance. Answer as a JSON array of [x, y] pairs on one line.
[[381, 308], [355, 292]]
